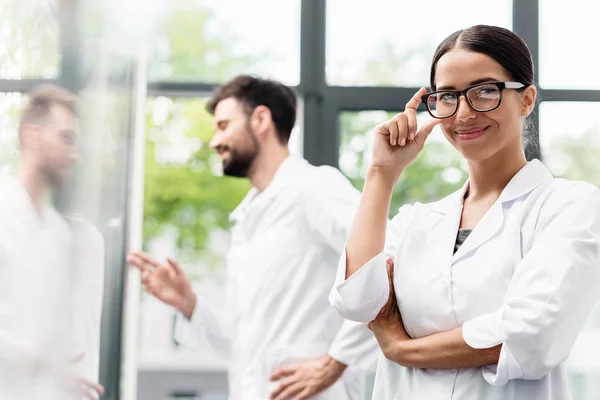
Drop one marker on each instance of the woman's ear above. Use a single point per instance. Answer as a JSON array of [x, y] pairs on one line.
[[528, 97]]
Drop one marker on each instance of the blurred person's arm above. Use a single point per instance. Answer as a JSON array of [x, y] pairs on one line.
[[169, 283], [30, 358], [18, 354], [88, 263]]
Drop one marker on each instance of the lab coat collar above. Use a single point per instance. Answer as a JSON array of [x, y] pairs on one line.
[[533, 174], [526, 180], [283, 178]]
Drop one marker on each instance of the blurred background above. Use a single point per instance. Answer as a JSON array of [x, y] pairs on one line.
[[144, 70]]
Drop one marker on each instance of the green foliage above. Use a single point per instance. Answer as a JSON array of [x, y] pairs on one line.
[[10, 107], [436, 172], [183, 188], [186, 49], [29, 36], [577, 159]]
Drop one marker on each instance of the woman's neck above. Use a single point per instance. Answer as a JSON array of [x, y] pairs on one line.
[[489, 177]]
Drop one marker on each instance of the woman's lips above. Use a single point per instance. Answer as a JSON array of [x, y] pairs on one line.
[[471, 133]]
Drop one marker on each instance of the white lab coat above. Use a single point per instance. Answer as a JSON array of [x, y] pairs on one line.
[[286, 242], [527, 278], [87, 277], [43, 302]]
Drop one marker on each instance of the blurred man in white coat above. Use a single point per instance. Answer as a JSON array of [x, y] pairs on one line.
[[50, 303], [281, 337]]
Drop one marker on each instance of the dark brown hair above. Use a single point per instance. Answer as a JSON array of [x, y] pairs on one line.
[[253, 92], [504, 46]]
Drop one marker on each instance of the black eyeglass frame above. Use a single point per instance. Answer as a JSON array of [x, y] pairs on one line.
[[518, 86]]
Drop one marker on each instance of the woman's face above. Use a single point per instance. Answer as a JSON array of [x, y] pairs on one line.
[[481, 135]]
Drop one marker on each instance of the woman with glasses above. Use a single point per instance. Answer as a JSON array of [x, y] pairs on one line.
[[482, 294]]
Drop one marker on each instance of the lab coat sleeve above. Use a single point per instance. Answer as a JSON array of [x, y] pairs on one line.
[[361, 297], [330, 203], [210, 323], [16, 352], [552, 292], [355, 345], [88, 262]]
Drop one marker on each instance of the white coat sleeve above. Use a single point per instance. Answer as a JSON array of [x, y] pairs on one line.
[[330, 208], [208, 322], [88, 264], [15, 351], [355, 345], [552, 292], [361, 297]]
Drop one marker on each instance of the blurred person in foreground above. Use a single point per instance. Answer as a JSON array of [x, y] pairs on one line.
[[281, 337], [44, 299]]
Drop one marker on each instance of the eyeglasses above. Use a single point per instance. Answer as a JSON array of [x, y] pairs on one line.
[[482, 97]]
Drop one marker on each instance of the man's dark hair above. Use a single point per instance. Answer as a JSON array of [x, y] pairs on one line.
[[252, 92]]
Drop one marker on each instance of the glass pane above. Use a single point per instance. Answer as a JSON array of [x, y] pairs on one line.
[[391, 43], [28, 39], [62, 233], [570, 148], [211, 41], [186, 209], [187, 199], [567, 58], [438, 170], [10, 107]]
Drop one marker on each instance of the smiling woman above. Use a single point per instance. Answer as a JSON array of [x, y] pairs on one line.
[[448, 327], [497, 71]]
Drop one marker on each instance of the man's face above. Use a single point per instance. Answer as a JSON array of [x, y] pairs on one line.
[[58, 151], [233, 139]]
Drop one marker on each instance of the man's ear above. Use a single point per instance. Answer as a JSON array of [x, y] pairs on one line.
[[261, 121]]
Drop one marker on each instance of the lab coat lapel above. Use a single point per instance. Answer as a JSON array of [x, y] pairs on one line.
[[441, 231], [487, 228], [527, 179]]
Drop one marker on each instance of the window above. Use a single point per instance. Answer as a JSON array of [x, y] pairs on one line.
[[186, 198], [391, 43], [570, 147], [10, 107], [437, 171], [570, 139], [212, 41], [28, 39], [568, 56]]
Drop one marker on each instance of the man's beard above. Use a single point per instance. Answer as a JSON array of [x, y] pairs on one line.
[[239, 164]]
